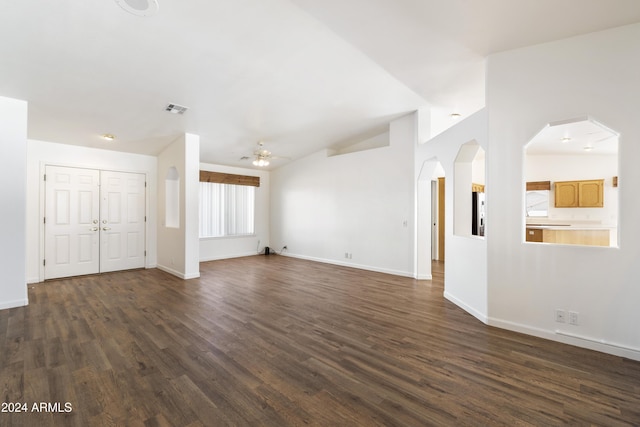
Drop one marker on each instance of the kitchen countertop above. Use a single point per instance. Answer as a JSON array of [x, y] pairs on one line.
[[569, 227]]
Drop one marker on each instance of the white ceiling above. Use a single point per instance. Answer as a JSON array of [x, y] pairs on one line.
[[580, 136], [299, 74]]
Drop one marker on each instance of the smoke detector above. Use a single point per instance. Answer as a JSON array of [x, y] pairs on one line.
[[144, 8], [175, 108]]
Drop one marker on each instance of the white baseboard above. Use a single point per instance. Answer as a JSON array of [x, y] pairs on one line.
[[424, 277], [466, 307], [553, 335], [176, 273], [13, 304], [352, 265], [570, 338], [219, 257]]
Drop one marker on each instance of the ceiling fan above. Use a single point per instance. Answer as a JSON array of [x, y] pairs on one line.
[[261, 156]]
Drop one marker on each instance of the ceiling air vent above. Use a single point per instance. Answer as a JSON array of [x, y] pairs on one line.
[[175, 108]]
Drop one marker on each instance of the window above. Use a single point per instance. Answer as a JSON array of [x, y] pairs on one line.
[[226, 209], [537, 203]]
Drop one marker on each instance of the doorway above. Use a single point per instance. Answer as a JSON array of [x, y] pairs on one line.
[[94, 221], [440, 215], [430, 230]]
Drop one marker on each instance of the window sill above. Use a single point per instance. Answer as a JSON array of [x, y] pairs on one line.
[[235, 236]]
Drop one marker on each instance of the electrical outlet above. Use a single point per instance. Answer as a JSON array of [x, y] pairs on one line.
[[573, 317], [560, 316]]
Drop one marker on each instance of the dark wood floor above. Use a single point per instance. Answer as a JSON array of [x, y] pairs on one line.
[[279, 341]]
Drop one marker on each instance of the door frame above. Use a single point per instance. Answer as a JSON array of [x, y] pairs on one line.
[[424, 237], [42, 207]]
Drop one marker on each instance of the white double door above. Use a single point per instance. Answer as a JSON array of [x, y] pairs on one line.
[[94, 221]]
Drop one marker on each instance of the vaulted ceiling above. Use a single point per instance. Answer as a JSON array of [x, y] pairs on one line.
[[300, 75]]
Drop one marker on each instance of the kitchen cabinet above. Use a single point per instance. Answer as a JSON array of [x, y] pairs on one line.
[[567, 235], [594, 237], [579, 194], [477, 188], [534, 235], [566, 194]]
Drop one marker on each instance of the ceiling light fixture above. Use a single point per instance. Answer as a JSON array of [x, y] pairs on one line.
[[455, 116], [262, 156], [261, 161], [108, 137], [566, 139], [588, 148], [144, 8]]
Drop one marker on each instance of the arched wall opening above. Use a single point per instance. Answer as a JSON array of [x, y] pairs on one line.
[[469, 188], [570, 185]]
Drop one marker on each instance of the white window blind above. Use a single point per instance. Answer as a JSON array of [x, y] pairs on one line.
[[226, 209]]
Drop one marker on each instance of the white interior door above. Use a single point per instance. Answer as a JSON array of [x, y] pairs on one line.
[[71, 222], [122, 220], [94, 221]]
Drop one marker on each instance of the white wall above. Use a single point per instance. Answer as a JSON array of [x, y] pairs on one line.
[[231, 247], [360, 203], [595, 75], [478, 169], [41, 153], [178, 248], [13, 149], [465, 256], [577, 167]]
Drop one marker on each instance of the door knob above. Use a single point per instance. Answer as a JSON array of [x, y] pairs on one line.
[[106, 228], [94, 228]]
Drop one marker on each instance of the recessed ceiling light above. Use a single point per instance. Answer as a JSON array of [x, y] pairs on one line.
[[588, 148], [455, 116], [143, 8], [108, 137], [566, 139]]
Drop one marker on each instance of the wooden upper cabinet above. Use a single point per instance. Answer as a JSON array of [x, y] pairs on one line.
[[538, 185], [580, 194], [566, 194], [591, 193], [477, 188]]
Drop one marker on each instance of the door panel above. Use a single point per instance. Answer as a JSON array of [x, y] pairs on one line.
[[122, 221], [133, 244], [71, 237]]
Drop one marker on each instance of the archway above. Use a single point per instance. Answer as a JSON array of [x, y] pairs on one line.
[[469, 187]]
